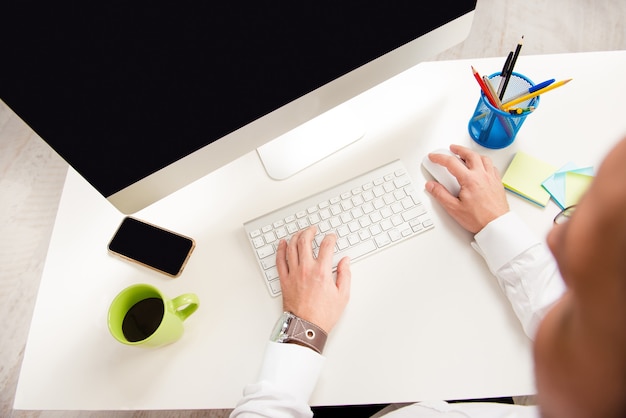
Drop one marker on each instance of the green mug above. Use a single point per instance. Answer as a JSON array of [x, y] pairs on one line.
[[143, 316]]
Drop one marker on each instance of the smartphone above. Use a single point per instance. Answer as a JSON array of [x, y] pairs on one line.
[[152, 246]]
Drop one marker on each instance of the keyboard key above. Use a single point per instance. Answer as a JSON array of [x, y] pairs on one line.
[[382, 240], [359, 250], [395, 235], [258, 242], [412, 213], [265, 251], [275, 287], [268, 262], [271, 273]]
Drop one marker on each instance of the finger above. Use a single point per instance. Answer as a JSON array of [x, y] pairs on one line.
[[292, 250], [451, 163], [488, 164], [344, 276], [493, 170], [281, 259], [441, 194], [472, 159], [305, 244], [325, 256]]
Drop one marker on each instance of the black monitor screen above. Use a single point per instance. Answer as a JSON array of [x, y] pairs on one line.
[[122, 89]]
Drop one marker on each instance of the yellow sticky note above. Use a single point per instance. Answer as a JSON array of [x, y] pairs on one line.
[[524, 176]]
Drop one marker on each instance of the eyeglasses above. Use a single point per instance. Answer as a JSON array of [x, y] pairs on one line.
[[564, 215]]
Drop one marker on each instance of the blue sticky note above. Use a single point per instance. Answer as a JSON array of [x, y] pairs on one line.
[[556, 183]]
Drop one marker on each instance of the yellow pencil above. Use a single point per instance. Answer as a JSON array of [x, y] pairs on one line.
[[507, 105]]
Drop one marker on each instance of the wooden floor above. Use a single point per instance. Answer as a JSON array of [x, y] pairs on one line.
[[32, 175]]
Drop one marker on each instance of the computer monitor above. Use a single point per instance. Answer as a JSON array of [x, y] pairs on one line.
[[143, 98]]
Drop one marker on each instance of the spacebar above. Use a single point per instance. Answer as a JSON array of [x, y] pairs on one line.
[[354, 251]]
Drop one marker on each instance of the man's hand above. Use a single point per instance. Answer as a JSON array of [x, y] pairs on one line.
[[308, 288], [482, 198]]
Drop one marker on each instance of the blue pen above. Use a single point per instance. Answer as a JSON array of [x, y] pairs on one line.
[[532, 89], [540, 86]]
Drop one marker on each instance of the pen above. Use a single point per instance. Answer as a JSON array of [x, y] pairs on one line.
[[505, 70], [533, 89], [518, 48], [529, 96]]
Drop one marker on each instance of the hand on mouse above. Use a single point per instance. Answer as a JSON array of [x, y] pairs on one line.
[[482, 197]]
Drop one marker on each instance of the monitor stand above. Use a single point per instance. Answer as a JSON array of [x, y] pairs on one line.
[[310, 142]]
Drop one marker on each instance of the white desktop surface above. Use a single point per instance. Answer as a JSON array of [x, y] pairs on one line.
[[426, 319]]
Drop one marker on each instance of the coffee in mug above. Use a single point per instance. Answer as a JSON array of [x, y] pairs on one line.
[[141, 315]]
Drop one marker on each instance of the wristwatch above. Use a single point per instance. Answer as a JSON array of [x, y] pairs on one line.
[[292, 329]]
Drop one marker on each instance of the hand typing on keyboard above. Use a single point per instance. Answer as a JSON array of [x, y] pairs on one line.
[[308, 287], [367, 214]]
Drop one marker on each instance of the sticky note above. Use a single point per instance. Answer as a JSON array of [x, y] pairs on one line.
[[524, 176], [557, 184], [576, 184]]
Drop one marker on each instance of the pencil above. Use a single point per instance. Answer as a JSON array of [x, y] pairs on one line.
[[529, 96], [489, 86], [484, 87], [498, 104], [493, 100]]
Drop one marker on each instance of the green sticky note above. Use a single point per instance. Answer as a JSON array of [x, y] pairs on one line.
[[524, 176], [576, 184]]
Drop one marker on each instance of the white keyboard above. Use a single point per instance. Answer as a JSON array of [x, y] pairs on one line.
[[368, 214]]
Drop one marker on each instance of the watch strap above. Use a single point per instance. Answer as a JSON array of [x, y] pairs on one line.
[[306, 333]]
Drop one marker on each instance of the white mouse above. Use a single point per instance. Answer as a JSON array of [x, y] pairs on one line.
[[441, 174]]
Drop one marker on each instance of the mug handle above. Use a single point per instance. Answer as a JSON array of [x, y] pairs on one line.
[[185, 304]]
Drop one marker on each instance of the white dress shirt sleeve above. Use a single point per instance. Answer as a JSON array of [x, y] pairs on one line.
[[286, 381], [528, 276], [524, 267]]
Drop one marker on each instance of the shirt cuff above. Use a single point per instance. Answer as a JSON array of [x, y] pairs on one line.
[[503, 239], [292, 369]]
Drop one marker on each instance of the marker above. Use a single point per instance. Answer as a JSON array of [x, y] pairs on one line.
[[520, 110]]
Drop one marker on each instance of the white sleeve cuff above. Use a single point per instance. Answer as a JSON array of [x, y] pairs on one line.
[[494, 242], [292, 369]]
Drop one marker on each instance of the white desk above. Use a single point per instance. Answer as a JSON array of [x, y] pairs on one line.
[[446, 330]]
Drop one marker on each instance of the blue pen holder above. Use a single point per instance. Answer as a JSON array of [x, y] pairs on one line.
[[495, 128]]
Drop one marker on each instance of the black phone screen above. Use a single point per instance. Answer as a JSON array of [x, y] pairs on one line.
[[152, 246]]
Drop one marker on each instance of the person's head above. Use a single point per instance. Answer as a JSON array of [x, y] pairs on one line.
[[580, 346]]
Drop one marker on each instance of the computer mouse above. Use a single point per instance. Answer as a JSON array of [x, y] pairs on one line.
[[441, 174]]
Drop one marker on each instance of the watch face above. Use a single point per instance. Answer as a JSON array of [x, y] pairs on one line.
[[280, 329]]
